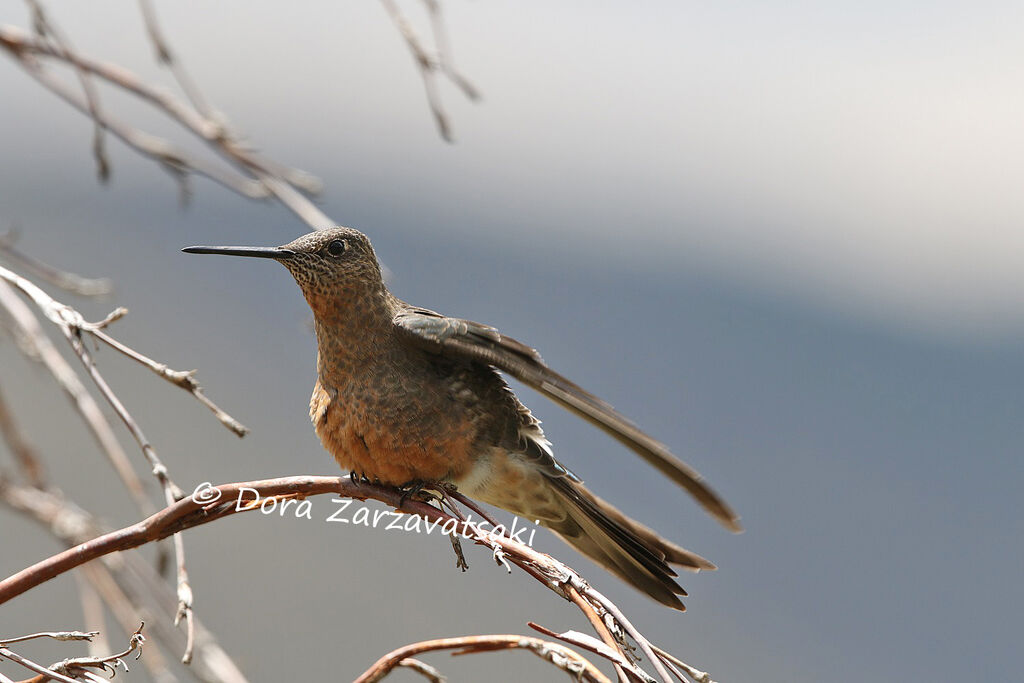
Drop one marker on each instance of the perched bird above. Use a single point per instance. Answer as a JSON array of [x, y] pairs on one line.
[[406, 396]]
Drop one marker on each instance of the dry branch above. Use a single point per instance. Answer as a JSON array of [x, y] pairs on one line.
[[45, 673], [73, 326], [55, 635], [259, 177], [129, 585], [70, 669], [430, 65], [68, 281], [53, 36], [23, 452], [209, 503], [558, 655], [165, 56], [28, 327]]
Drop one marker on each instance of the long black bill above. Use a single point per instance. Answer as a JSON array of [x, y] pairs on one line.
[[257, 252]]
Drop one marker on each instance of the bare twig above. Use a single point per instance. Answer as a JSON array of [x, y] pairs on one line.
[[71, 322], [72, 325], [471, 504], [67, 281], [127, 612], [165, 56], [93, 615], [30, 330], [629, 671], [558, 655], [173, 159], [172, 492], [33, 666], [638, 637], [424, 669], [271, 178], [179, 378], [444, 51], [129, 584], [598, 625], [184, 610], [429, 65], [47, 30], [214, 122], [69, 669], [695, 674], [108, 663], [23, 452], [54, 635]]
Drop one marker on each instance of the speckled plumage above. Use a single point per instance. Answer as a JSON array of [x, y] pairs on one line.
[[404, 394]]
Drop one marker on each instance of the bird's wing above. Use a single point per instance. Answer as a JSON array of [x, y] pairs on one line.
[[467, 340]]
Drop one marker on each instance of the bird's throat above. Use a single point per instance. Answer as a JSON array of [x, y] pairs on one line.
[[350, 334]]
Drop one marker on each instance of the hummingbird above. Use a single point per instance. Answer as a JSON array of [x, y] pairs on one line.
[[405, 396]]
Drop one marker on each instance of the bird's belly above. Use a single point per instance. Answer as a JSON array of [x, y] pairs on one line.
[[394, 441], [508, 480]]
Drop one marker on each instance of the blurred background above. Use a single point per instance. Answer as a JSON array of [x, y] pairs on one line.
[[785, 239]]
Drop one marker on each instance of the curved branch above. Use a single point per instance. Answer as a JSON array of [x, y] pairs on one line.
[[556, 654], [194, 511], [208, 503]]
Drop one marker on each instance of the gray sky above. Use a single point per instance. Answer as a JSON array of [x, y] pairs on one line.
[[784, 239]]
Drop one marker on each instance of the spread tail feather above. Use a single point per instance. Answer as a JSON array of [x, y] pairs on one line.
[[628, 549]]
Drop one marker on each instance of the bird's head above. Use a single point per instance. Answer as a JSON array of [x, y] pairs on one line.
[[334, 267]]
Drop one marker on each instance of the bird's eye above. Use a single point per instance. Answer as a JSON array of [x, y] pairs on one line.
[[337, 248]]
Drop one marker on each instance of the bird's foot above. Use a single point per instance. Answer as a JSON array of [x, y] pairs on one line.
[[436, 490], [417, 489], [426, 490]]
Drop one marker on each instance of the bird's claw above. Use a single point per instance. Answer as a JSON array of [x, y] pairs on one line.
[[359, 478], [425, 490], [411, 489]]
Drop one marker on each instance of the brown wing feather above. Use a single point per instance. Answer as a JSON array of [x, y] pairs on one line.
[[472, 341]]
